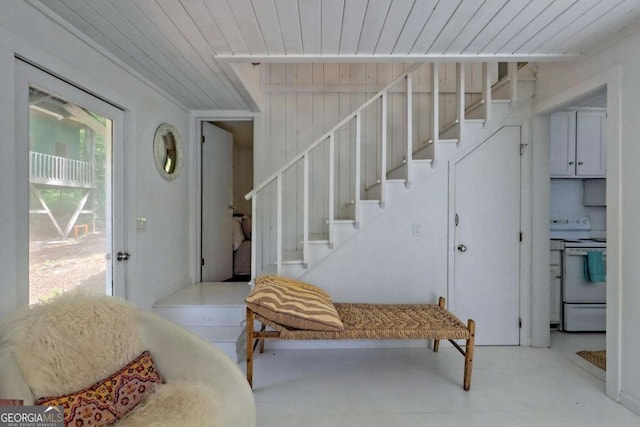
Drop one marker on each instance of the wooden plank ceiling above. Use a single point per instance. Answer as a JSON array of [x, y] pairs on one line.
[[184, 45]]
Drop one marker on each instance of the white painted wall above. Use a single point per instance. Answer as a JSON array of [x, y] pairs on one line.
[[410, 268], [160, 255], [567, 199], [619, 68]]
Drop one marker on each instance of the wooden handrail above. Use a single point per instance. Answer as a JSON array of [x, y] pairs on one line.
[[327, 134]]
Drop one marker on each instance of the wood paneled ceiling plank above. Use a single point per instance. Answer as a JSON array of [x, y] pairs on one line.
[[611, 14], [437, 22], [354, 11], [393, 25], [331, 26], [310, 27], [556, 24], [178, 28], [374, 19], [419, 18], [245, 17], [493, 28], [515, 25], [158, 35], [267, 17], [85, 19], [578, 22], [289, 18], [616, 28], [201, 15], [142, 47], [537, 24], [480, 20], [465, 13], [220, 11]]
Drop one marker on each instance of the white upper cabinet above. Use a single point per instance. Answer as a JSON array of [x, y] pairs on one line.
[[578, 144]]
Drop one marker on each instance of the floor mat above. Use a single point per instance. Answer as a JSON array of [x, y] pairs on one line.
[[598, 357]]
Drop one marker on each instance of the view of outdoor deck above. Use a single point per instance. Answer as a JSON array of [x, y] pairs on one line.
[[68, 197]]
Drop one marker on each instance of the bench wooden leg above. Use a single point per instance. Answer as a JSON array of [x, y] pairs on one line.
[[468, 357], [436, 343], [250, 347], [262, 340]]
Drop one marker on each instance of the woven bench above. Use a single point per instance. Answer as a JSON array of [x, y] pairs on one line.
[[376, 322]]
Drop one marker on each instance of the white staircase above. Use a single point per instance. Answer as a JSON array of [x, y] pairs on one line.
[[501, 95], [213, 311]]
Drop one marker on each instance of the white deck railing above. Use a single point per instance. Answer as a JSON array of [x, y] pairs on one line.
[[55, 170]]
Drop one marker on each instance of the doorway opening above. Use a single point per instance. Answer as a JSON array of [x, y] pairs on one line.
[[578, 228], [226, 217]]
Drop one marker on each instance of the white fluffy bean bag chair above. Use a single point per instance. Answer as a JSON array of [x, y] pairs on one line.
[[75, 340]]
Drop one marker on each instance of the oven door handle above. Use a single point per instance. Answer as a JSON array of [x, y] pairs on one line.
[[583, 252]]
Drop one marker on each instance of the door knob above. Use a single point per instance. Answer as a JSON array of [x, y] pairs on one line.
[[462, 248], [122, 256]]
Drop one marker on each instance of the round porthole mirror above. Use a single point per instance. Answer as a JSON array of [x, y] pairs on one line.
[[167, 151]]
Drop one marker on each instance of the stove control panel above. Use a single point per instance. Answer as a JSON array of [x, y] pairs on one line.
[[581, 223]]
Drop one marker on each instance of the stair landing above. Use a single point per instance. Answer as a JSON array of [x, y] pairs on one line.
[[215, 311], [208, 293]]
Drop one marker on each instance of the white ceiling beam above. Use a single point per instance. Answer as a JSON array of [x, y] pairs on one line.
[[397, 58]]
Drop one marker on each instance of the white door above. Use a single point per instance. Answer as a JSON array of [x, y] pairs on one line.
[[562, 133], [487, 238], [591, 150], [71, 175], [217, 201]]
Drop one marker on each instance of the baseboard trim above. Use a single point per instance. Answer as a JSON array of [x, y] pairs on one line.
[[630, 402]]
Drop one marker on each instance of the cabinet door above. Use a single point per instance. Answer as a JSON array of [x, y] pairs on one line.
[[562, 132], [555, 299], [591, 143]]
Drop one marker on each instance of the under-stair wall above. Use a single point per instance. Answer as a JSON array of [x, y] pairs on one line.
[[305, 100]]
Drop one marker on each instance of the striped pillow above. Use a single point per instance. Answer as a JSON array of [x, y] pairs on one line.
[[294, 304]]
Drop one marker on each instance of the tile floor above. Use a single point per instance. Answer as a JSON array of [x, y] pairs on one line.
[[511, 386]]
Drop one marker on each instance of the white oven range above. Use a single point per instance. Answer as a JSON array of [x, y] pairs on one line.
[[583, 300]]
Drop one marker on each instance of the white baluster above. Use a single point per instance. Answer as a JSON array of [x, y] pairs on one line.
[[486, 92], [460, 100], [512, 74], [383, 153], [409, 125], [358, 172], [279, 225], [332, 166], [435, 111], [305, 213]]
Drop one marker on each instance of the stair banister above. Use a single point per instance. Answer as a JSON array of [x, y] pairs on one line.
[[409, 124], [332, 177], [486, 92], [278, 225], [358, 177], [512, 74], [305, 213], [460, 90], [383, 152], [435, 112], [326, 135], [254, 247]]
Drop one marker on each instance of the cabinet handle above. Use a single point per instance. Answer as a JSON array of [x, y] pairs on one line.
[[558, 277], [571, 163], [579, 163]]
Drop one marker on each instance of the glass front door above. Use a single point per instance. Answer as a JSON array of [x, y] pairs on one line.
[[75, 205]]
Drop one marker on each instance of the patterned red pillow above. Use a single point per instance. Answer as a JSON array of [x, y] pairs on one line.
[[110, 399]]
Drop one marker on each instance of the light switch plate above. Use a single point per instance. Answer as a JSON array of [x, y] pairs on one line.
[[141, 223]]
